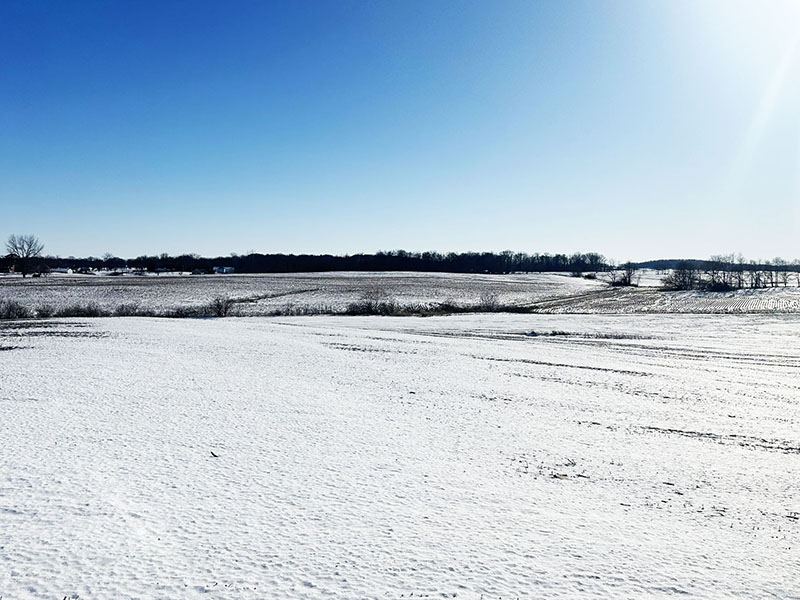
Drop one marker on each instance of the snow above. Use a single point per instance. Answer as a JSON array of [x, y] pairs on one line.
[[262, 294], [624, 456], [297, 293], [652, 301]]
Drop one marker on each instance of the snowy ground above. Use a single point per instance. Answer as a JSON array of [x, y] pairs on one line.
[[653, 301], [640, 456], [296, 293], [264, 293]]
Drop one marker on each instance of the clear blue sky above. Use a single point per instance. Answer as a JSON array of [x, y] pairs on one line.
[[638, 129]]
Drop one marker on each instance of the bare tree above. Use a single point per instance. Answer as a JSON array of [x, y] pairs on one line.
[[683, 277], [739, 269], [612, 273], [754, 274], [721, 272], [630, 273], [782, 271], [623, 275], [25, 249], [771, 273]]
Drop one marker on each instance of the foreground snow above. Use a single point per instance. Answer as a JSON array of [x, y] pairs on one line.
[[638, 456]]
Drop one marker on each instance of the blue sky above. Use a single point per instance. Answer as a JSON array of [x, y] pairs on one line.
[[638, 129]]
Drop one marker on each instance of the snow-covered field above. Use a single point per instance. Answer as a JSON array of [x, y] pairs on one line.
[[638, 456], [654, 301], [261, 294], [298, 293]]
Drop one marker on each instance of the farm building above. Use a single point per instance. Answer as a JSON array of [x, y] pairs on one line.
[[223, 270]]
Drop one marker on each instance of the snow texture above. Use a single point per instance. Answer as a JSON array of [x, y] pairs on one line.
[[298, 293], [652, 301], [260, 294], [472, 456]]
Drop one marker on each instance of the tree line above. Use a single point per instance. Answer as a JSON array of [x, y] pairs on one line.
[[730, 272], [394, 260], [719, 273]]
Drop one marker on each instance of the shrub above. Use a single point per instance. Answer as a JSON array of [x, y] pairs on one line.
[[489, 302], [45, 311], [374, 301], [373, 307], [218, 307], [89, 310], [718, 286], [11, 309], [294, 310], [132, 310], [554, 333], [221, 306], [447, 307], [188, 312]]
